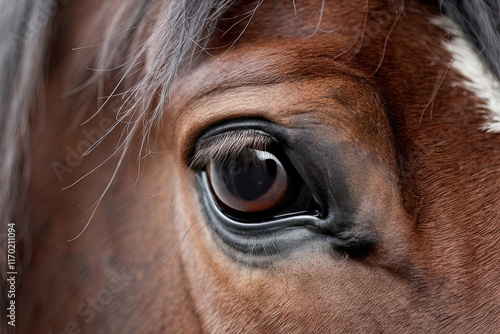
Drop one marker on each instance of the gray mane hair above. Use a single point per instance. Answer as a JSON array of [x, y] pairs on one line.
[[25, 27]]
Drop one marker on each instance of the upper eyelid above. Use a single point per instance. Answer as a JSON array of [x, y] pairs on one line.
[[224, 146]]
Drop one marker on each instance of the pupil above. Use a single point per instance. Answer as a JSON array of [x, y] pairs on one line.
[[251, 178], [254, 181]]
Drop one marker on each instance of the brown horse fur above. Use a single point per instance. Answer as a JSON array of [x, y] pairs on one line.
[[370, 78]]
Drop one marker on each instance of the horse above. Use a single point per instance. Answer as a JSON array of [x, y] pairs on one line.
[[272, 166]]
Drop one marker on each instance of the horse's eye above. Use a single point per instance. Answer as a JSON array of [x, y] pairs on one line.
[[254, 181], [248, 180]]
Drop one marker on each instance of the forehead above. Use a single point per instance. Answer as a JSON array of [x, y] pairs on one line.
[[291, 19], [317, 63]]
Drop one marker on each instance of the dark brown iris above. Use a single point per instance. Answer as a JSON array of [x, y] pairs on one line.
[[254, 181]]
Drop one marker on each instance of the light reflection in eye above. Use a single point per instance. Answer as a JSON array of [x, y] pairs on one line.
[[254, 181]]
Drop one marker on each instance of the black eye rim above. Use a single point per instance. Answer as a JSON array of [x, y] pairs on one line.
[[283, 210], [281, 149], [260, 241], [284, 221]]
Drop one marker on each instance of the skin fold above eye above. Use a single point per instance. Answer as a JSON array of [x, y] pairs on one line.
[[225, 146]]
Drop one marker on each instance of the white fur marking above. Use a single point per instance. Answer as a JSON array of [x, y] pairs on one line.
[[480, 80]]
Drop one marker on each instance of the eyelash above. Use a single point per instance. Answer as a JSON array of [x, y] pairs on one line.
[[224, 146]]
